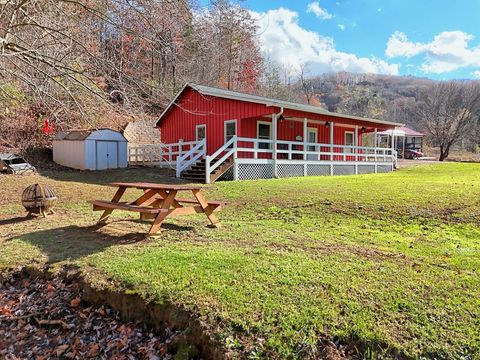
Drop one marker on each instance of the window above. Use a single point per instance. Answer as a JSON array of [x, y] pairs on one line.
[[264, 131], [230, 129], [312, 135], [201, 132], [349, 140]]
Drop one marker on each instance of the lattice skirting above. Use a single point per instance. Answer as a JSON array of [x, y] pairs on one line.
[[255, 171], [343, 169], [318, 170], [289, 170], [366, 169], [384, 168], [262, 170]]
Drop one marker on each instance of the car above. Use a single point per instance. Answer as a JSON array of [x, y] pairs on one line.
[[15, 164], [412, 154]]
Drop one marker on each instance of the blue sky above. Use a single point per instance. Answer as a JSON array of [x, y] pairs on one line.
[[438, 39]]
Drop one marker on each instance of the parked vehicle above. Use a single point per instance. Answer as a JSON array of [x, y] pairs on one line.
[[412, 154], [15, 164]]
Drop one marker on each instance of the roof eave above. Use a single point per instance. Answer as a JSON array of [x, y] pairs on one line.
[[205, 90]]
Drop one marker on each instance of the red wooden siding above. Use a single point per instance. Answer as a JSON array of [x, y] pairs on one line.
[[194, 109]]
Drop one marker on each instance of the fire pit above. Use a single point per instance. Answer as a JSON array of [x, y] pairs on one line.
[[39, 199]]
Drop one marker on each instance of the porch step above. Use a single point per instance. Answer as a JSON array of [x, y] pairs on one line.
[[196, 173]]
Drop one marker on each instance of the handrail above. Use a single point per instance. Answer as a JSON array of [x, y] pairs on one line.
[[194, 154], [209, 168]]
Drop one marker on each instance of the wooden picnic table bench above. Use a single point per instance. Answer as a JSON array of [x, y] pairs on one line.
[[157, 202]]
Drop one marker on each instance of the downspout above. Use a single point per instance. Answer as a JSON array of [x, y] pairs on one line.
[[275, 135]]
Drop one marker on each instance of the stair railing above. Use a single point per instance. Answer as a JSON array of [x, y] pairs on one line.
[[191, 157], [229, 148]]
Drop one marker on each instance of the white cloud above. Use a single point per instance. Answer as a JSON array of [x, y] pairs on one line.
[[314, 7], [448, 51], [285, 41], [341, 26], [476, 74]]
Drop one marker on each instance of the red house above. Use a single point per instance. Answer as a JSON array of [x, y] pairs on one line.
[[209, 133]]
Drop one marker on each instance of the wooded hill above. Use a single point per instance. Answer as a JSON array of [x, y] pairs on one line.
[[393, 98]]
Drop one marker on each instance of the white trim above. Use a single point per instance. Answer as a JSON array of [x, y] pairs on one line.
[[269, 123], [225, 129], [315, 130], [345, 138], [196, 131]]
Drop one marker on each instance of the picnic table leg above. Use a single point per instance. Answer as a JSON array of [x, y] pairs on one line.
[[116, 198], [206, 208], [167, 203]]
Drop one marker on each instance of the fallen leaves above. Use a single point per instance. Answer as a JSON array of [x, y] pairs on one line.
[[44, 319], [75, 302]]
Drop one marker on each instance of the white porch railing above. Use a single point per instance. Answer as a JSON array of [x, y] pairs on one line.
[[294, 150], [189, 158], [228, 149], [162, 155], [182, 155]]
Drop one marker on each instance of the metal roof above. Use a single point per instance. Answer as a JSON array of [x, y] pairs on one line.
[[402, 131], [79, 135], [234, 95]]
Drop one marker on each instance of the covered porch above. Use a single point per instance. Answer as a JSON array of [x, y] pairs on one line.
[[282, 145]]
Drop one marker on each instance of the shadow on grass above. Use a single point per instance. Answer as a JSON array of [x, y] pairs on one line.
[[73, 242], [16, 220], [131, 174]]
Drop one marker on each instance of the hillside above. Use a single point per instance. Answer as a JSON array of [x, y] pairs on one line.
[[394, 98]]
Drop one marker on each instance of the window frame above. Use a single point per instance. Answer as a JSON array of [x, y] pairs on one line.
[[260, 144], [196, 131], [225, 123], [345, 140], [314, 130]]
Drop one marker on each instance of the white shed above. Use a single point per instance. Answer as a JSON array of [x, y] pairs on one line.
[[91, 149]]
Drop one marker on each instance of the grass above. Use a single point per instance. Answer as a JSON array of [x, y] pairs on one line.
[[386, 262]]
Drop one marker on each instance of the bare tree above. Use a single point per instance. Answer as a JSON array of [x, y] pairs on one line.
[[306, 82], [449, 112]]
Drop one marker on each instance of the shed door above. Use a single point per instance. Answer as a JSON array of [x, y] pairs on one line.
[[107, 155]]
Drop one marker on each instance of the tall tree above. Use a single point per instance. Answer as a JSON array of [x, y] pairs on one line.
[[450, 111]]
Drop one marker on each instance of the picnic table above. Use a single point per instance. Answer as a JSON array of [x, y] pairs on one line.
[[157, 202]]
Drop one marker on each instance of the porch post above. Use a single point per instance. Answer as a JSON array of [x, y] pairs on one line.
[[355, 149], [393, 149], [355, 143], [305, 130], [332, 124], [274, 150], [331, 140]]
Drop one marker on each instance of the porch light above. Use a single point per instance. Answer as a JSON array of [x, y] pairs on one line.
[[363, 129], [327, 124], [281, 118]]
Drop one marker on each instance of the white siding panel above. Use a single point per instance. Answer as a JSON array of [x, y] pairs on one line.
[[69, 153]]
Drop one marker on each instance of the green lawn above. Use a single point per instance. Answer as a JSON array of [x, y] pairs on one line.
[[388, 263]]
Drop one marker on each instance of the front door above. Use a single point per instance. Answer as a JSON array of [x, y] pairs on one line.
[[312, 138]]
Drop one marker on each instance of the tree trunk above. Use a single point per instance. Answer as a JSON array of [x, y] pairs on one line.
[[444, 152]]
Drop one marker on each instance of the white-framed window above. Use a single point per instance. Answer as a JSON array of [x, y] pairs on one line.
[[201, 132], [312, 137], [349, 140], [264, 132], [229, 129]]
